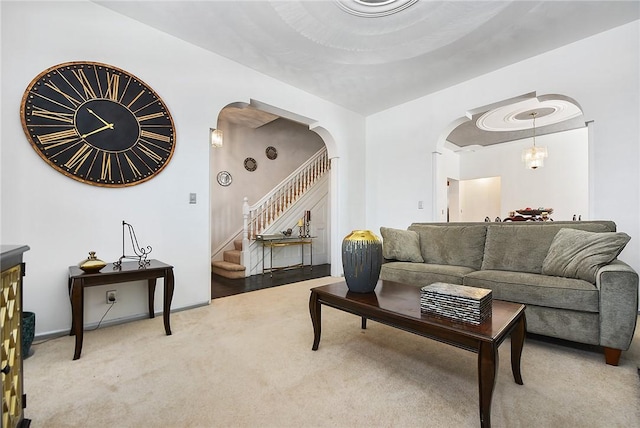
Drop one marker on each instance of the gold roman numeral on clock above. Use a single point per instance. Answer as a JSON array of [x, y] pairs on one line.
[[113, 84], [150, 153], [89, 93], [133, 167], [58, 138], [75, 103], [80, 156], [53, 115], [135, 99], [155, 136], [105, 173], [150, 116]]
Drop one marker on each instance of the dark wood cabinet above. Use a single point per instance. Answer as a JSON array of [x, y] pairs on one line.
[[13, 397]]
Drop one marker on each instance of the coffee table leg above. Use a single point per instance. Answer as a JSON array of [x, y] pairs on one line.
[[314, 310], [517, 342], [487, 369]]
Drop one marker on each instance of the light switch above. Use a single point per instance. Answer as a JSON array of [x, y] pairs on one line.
[[192, 198], [420, 205]]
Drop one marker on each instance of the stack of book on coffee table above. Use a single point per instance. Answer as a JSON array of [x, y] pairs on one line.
[[457, 302]]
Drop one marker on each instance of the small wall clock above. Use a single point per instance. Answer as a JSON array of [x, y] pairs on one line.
[[97, 124]]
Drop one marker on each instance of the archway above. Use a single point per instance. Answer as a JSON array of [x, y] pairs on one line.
[[247, 127], [489, 141]]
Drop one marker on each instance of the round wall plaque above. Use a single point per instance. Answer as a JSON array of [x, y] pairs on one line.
[[224, 178], [271, 152], [250, 164]]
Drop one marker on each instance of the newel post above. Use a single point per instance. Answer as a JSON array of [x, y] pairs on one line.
[[246, 255]]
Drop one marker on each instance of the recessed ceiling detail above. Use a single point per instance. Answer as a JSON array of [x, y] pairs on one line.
[[371, 64], [374, 8], [517, 117], [339, 39], [511, 120]]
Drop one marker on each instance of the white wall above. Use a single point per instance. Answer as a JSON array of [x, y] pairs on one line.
[[601, 73], [562, 184], [62, 219], [480, 198]]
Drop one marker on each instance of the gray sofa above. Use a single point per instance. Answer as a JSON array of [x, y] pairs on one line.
[[566, 273]]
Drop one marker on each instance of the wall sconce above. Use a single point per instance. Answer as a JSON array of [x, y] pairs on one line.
[[215, 137]]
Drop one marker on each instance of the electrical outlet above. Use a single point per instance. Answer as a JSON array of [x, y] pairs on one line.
[[111, 297]]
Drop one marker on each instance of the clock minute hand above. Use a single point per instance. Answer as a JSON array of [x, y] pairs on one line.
[[101, 119], [95, 131]]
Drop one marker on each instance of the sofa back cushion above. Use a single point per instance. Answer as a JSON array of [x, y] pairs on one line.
[[457, 245], [401, 245], [579, 254], [522, 247]]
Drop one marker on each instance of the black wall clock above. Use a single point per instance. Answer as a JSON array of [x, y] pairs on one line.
[[97, 124]]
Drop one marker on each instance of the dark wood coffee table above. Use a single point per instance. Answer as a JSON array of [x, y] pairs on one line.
[[398, 305]]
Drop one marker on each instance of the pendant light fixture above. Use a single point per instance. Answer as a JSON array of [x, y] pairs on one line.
[[533, 157]]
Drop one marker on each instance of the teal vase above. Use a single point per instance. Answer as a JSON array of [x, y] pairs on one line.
[[28, 332], [361, 260]]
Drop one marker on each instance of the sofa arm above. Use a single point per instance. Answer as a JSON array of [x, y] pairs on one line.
[[618, 286]]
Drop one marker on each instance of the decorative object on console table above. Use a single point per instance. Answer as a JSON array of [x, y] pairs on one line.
[[307, 221], [457, 302], [361, 260], [91, 264], [141, 254]]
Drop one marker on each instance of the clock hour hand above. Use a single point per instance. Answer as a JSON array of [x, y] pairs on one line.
[[95, 131], [101, 119]]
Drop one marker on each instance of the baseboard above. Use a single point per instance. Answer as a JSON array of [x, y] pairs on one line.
[[59, 333]]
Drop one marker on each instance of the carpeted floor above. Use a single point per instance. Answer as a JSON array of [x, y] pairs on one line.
[[246, 361]]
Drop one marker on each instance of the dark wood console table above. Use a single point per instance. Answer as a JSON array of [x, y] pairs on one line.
[[128, 271]]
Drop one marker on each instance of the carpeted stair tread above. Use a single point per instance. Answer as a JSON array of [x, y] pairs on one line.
[[227, 265], [232, 256], [227, 269], [237, 244]]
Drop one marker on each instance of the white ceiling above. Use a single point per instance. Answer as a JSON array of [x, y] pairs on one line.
[[368, 64]]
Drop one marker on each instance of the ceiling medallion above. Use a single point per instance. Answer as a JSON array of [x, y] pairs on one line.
[[374, 8], [517, 117]]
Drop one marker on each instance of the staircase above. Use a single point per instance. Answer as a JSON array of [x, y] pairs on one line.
[[263, 214], [231, 266]]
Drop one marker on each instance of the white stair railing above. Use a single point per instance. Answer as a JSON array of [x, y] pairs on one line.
[[263, 213]]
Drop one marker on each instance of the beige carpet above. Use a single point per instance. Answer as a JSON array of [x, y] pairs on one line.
[[246, 361]]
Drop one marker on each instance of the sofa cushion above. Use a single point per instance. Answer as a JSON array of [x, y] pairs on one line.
[[452, 245], [535, 289], [421, 274], [521, 247], [579, 254], [401, 245]]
